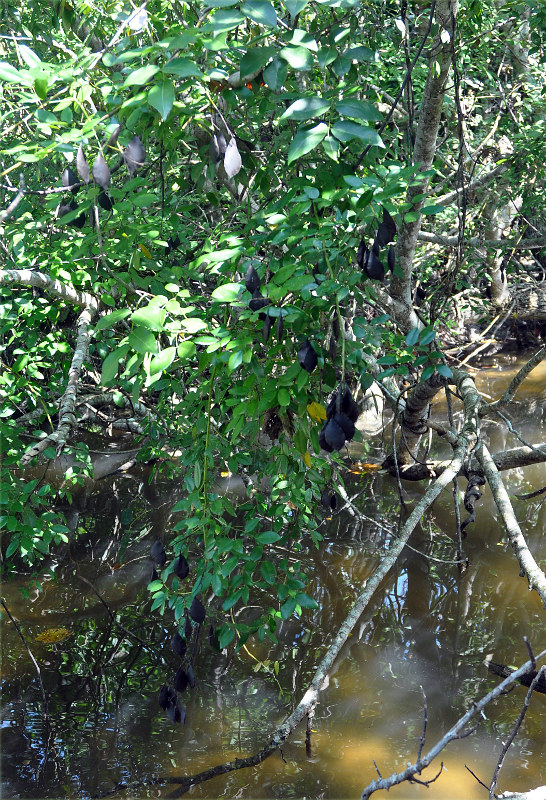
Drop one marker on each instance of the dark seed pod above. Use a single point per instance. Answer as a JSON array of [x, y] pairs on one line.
[[213, 640], [267, 327], [307, 358], [346, 425], [362, 255], [348, 406], [334, 435], [67, 208], [172, 244], [82, 166], [280, 327], [390, 258], [114, 137], [163, 697], [70, 180], [181, 567], [323, 443], [180, 681], [374, 269], [217, 147], [101, 172], [329, 500], [258, 302], [154, 575], [252, 280], [188, 628], [332, 348], [158, 554], [178, 645], [335, 327], [134, 156], [105, 202], [387, 229], [191, 676], [175, 712], [197, 610]]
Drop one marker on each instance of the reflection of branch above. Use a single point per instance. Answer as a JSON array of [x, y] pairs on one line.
[[458, 731], [518, 379], [530, 568], [18, 629]]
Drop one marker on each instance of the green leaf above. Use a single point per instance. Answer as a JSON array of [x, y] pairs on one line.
[[326, 55], [29, 56], [225, 636], [255, 59], [275, 74], [227, 293], [41, 85], [151, 317], [435, 209], [261, 11], [288, 607], [297, 57], [306, 140], [235, 360], [9, 73], [182, 68], [142, 340], [224, 21], [359, 109], [109, 320], [360, 53], [283, 397], [268, 572], [161, 97], [305, 601], [412, 337], [427, 336], [344, 130], [444, 370], [331, 147], [268, 537], [141, 76], [163, 360], [306, 107], [144, 200], [110, 364], [295, 7]]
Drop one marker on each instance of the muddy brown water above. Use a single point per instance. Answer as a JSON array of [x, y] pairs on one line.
[[429, 627]]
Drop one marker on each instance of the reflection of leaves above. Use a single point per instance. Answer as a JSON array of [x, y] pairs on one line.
[[53, 635]]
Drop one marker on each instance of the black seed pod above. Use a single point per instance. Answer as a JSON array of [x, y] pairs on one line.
[[158, 554], [188, 628], [178, 645], [175, 712], [346, 425], [329, 500], [323, 443], [134, 156], [101, 172], [105, 202], [362, 255], [163, 697], [267, 327], [181, 567], [70, 180], [374, 269], [197, 610], [180, 681], [258, 302], [252, 280], [82, 166], [67, 208], [387, 229], [307, 358], [348, 406], [334, 435], [191, 676]]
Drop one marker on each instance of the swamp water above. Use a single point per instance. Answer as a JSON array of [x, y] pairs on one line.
[[429, 627]]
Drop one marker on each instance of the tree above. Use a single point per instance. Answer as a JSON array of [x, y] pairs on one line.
[[201, 235]]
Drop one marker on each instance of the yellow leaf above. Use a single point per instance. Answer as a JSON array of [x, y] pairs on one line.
[[316, 412], [53, 635], [145, 251], [307, 459]]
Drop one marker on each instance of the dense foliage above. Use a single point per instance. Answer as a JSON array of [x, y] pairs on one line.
[[209, 184]]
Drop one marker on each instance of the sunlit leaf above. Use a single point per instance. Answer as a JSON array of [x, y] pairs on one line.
[[306, 140]]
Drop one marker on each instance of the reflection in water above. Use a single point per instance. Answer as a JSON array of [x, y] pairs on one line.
[[430, 628]]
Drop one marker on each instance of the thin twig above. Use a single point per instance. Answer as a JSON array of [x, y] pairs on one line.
[[18, 629]]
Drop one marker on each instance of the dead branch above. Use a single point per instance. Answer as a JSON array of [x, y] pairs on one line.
[[457, 731], [517, 380], [528, 565], [7, 212], [54, 287]]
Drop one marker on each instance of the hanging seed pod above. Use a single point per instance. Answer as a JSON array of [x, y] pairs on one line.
[[333, 434], [217, 147], [158, 554], [232, 159], [134, 156], [329, 500], [280, 327], [101, 172], [181, 681], [104, 201], [70, 180], [374, 269], [387, 229], [197, 610], [335, 327], [175, 712], [390, 258], [362, 255], [191, 676], [346, 425], [252, 280], [172, 244], [188, 627], [163, 697], [323, 443], [347, 405], [179, 645], [67, 208], [181, 567], [267, 327], [82, 166], [112, 141], [258, 302], [213, 640], [307, 358], [332, 348]]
